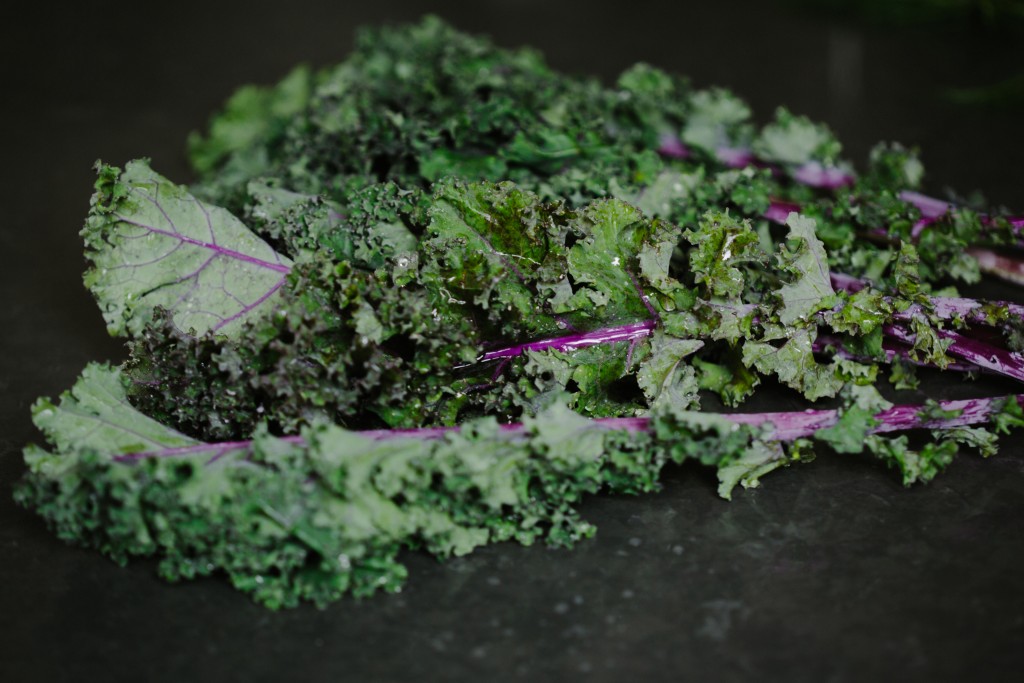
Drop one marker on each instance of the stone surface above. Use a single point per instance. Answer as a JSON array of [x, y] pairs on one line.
[[831, 572]]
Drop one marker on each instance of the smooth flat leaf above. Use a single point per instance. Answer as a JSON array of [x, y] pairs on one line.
[[95, 414], [152, 244]]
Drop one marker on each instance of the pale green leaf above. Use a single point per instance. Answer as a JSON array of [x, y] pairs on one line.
[[758, 460], [811, 290], [664, 376], [152, 244], [95, 414]]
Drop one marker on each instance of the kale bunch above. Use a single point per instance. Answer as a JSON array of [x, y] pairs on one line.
[[433, 296]]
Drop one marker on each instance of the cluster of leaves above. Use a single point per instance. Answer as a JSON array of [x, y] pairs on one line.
[[325, 514], [433, 296], [417, 103], [382, 324]]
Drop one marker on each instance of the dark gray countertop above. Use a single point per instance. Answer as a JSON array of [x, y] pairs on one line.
[[832, 571]]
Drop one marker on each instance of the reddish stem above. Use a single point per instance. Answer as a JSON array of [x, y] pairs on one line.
[[780, 426]]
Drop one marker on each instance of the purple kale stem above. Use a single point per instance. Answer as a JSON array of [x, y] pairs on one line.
[[930, 207], [735, 157], [847, 283], [500, 369], [643, 297], [999, 265], [971, 310], [797, 425], [976, 352], [933, 209], [629, 354], [220, 448], [891, 350], [671, 146], [779, 426], [942, 307], [812, 174], [605, 335], [778, 211], [979, 353]]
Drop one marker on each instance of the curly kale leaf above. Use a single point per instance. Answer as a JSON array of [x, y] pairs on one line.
[[325, 514], [856, 421], [253, 118], [787, 348], [343, 345], [664, 377], [529, 266], [811, 288], [795, 140], [723, 248], [322, 514], [717, 119]]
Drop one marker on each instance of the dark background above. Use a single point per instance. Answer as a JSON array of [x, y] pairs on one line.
[[831, 572]]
